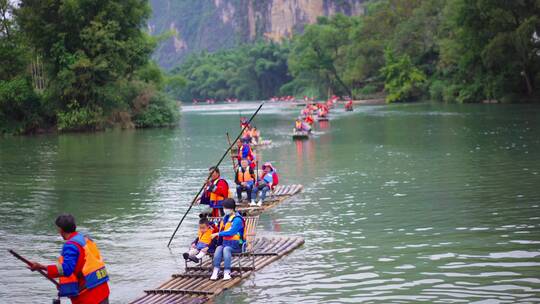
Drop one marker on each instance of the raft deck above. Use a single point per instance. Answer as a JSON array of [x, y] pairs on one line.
[[195, 286], [280, 194]]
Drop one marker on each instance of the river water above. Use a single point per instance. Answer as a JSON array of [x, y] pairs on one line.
[[402, 203]]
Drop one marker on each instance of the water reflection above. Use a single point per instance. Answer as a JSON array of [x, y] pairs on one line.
[[401, 204]]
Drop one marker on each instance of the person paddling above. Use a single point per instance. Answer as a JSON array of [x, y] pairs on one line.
[[80, 268], [231, 234], [217, 190]]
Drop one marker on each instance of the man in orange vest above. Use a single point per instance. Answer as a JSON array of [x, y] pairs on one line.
[[80, 268], [217, 190], [244, 179]]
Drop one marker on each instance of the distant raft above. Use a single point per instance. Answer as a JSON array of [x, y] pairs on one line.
[[323, 118], [300, 135]]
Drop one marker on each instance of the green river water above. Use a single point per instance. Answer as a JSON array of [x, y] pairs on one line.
[[403, 203]]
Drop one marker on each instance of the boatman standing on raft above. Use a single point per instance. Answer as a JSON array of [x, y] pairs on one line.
[[80, 268], [217, 190]]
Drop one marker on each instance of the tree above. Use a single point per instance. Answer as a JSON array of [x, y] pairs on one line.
[[88, 47], [493, 52], [402, 79], [247, 72], [321, 51]]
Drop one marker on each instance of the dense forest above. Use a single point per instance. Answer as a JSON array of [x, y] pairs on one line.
[[86, 65], [444, 50], [79, 65]]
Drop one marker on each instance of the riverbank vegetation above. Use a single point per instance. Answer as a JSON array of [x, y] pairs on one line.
[[443, 50], [79, 65]]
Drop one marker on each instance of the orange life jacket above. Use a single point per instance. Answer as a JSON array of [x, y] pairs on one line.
[[205, 237], [93, 271], [226, 224], [215, 197], [244, 176]]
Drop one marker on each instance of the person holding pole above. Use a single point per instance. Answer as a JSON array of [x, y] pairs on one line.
[[217, 190], [80, 268]]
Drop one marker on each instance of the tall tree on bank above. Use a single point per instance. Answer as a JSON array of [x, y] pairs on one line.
[[20, 107], [321, 51], [90, 48], [494, 51]]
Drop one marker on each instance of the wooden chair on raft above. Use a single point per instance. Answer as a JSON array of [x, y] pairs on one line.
[[250, 233]]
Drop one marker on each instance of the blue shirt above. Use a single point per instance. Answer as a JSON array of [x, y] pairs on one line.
[[269, 177], [236, 227], [70, 252]]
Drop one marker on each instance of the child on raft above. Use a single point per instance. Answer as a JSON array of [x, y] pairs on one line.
[[202, 244]]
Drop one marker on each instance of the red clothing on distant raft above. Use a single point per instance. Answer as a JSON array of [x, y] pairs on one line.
[[82, 274]]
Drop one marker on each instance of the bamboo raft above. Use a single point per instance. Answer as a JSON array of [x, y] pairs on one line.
[[300, 135], [280, 194], [194, 285]]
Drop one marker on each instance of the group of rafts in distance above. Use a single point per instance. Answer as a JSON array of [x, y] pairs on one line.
[[304, 123], [232, 220]]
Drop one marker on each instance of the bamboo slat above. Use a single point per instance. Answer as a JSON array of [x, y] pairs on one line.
[[195, 285], [280, 195]]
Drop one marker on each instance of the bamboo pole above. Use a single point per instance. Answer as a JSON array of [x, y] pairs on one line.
[[210, 174]]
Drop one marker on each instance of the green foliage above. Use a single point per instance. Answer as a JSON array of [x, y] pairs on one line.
[[493, 50], [94, 56], [77, 118], [319, 54], [467, 51], [247, 72], [161, 111], [20, 107], [365, 91], [402, 79]]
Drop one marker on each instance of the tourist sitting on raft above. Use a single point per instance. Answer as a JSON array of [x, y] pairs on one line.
[[301, 126], [217, 189], [244, 179], [267, 182], [323, 112], [246, 135], [309, 120], [349, 105], [245, 152], [231, 239], [306, 111], [255, 135], [203, 244], [244, 122]]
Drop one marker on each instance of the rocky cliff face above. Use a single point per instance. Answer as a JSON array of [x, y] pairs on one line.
[[216, 24]]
